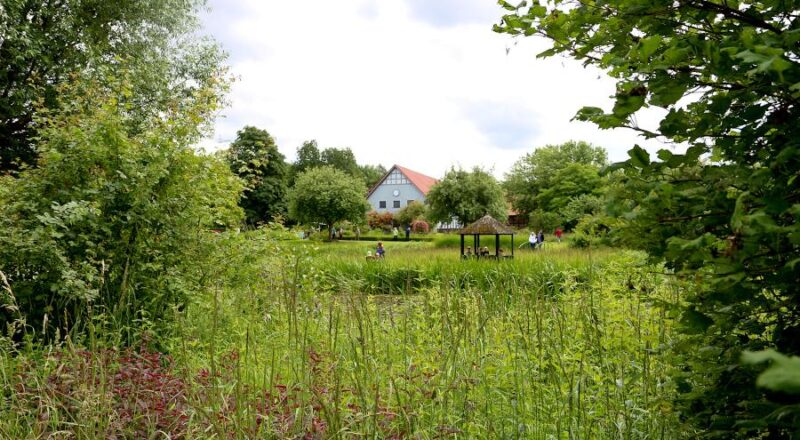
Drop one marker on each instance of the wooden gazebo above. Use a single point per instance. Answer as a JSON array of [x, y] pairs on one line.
[[486, 225]]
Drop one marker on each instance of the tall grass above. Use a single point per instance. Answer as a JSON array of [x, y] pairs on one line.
[[286, 343]]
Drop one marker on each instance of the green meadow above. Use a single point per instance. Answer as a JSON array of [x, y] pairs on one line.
[[298, 339]]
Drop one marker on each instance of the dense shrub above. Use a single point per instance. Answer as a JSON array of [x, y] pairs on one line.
[[591, 230], [380, 220], [420, 227], [411, 212], [110, 219]]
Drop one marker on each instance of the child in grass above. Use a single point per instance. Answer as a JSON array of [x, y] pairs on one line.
[[380, 251]]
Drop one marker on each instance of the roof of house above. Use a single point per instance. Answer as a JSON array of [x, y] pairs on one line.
[[421, 181], [487, 225]]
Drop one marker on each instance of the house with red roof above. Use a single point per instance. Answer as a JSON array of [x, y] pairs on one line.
[[399, 187]]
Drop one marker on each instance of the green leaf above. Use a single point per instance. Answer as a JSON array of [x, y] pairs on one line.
[[640, 158], [649, 45], [782, 375]]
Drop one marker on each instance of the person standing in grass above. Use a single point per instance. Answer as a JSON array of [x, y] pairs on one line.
[[540, 239], [532, 240], [395, 233], [380, 251], [559, 233], [408, 232]]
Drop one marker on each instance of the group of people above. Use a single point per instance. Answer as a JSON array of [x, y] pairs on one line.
[[481, 252], [379, 252], [536, 240]]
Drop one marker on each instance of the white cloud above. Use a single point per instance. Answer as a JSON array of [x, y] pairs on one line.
[[399, 87]]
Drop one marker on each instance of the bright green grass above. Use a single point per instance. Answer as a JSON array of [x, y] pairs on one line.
[[553, 344], [559, 343]]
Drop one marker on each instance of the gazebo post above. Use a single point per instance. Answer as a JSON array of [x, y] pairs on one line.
[[497, 245], [477, 243], [462, 245], [512, 245]]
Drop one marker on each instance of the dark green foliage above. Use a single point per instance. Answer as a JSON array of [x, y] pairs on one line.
[[255, 158], [110, 224], [466, 196], [372, 174], [327, 195], [544, 220], [724, 214], [43, 44], [550, 178], [309, 156]]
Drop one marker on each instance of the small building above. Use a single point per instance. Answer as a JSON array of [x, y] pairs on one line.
[[399, 187], [486, 225]]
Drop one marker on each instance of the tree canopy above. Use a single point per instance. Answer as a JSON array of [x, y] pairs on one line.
[[327, 195], [466, 196], [725, 212], [255, 158], [549, 177], [44, 44], [310, 156]]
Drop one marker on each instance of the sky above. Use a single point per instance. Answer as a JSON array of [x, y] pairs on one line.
[[425, 84]]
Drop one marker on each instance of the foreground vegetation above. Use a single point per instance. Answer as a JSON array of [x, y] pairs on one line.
[[287, 341]]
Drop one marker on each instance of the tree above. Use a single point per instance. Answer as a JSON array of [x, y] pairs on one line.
[[372, 174], [413, 211], [724, 213], [327, 195], [110, 222], [466, 196], [255, 158], [551, 176], [44, 44]]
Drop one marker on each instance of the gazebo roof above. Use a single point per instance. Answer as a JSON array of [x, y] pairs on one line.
[[487, 225]]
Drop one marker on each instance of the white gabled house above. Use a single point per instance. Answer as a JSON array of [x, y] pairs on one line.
[[399, 187]]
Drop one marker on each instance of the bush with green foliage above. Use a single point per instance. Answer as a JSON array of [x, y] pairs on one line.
[[111, 221], [724, 213], [593, 230], [411, 212]]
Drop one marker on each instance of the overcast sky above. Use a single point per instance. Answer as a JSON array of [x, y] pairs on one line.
[[421, 83]]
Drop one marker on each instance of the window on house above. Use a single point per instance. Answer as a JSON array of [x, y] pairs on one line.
[[409, 202], [382, 204], [396, 178], [396, 203]]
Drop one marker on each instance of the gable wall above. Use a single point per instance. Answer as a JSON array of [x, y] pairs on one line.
[[384, 192]]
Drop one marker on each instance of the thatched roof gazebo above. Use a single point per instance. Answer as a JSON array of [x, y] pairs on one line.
[[487, 225]]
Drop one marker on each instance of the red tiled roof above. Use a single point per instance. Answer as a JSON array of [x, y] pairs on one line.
[[421, 181]]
